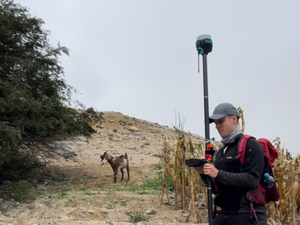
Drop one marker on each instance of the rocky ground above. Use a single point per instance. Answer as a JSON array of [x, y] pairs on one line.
[[81, 191]]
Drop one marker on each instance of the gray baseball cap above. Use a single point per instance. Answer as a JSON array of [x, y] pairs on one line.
[[222, 110]]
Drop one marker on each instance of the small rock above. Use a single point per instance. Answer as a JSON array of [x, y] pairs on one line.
[[104, 210], [133, 129], [31, 207], [41, 188], [151, 211], [185, 214], [156, 155]]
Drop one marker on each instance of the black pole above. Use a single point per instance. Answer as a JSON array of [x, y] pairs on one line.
[[207, 136], [206, 106], [204, 46]]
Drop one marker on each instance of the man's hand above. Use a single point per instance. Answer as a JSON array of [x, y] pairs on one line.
[[210, 170]]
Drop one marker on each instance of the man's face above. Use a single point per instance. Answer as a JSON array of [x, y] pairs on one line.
[[226, 125]]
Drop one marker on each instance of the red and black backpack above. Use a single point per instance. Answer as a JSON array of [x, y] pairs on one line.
[[270, 155], [260, 195]]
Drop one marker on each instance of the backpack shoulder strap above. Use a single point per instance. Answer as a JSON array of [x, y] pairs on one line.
[[242, 148]]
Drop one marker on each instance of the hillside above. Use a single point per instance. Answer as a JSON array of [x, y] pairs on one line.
[[81, 190]]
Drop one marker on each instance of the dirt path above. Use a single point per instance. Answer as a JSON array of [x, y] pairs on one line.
[[83, 192]]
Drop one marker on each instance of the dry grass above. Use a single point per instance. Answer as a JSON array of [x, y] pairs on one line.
[[287, 172], [187, 183]]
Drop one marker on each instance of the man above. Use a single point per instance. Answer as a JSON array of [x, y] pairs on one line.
[[232, 179]]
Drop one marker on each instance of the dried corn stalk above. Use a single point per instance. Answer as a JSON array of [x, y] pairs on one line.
[[287, 172], [187, 182], [242, 119]]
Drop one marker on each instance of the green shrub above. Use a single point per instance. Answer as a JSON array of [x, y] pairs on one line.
[[110, 205], [137, 216], [64, 192], [21, 192], [169, 179]]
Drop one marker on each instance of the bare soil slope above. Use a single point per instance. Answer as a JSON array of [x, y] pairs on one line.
[[78, 191]]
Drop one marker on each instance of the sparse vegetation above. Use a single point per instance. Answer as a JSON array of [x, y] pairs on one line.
[[123, 202], [110, 205], [63, 194], [22, 192], [149, 186], [137, 216], [86, 190]]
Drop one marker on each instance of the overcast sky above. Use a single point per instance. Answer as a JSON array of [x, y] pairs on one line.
[[138, 57]]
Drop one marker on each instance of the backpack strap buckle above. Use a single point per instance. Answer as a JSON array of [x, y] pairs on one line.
[[251, 199]]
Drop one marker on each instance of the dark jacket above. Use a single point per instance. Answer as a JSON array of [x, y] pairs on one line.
[[235, 179]]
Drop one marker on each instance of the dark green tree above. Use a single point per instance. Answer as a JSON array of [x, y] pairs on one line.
[[35, 101]]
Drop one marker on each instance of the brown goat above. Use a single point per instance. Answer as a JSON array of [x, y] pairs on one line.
[[117, 163]]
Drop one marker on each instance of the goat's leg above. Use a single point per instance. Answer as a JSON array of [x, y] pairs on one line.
[[127, 168], [115, 176], [122, 173]]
